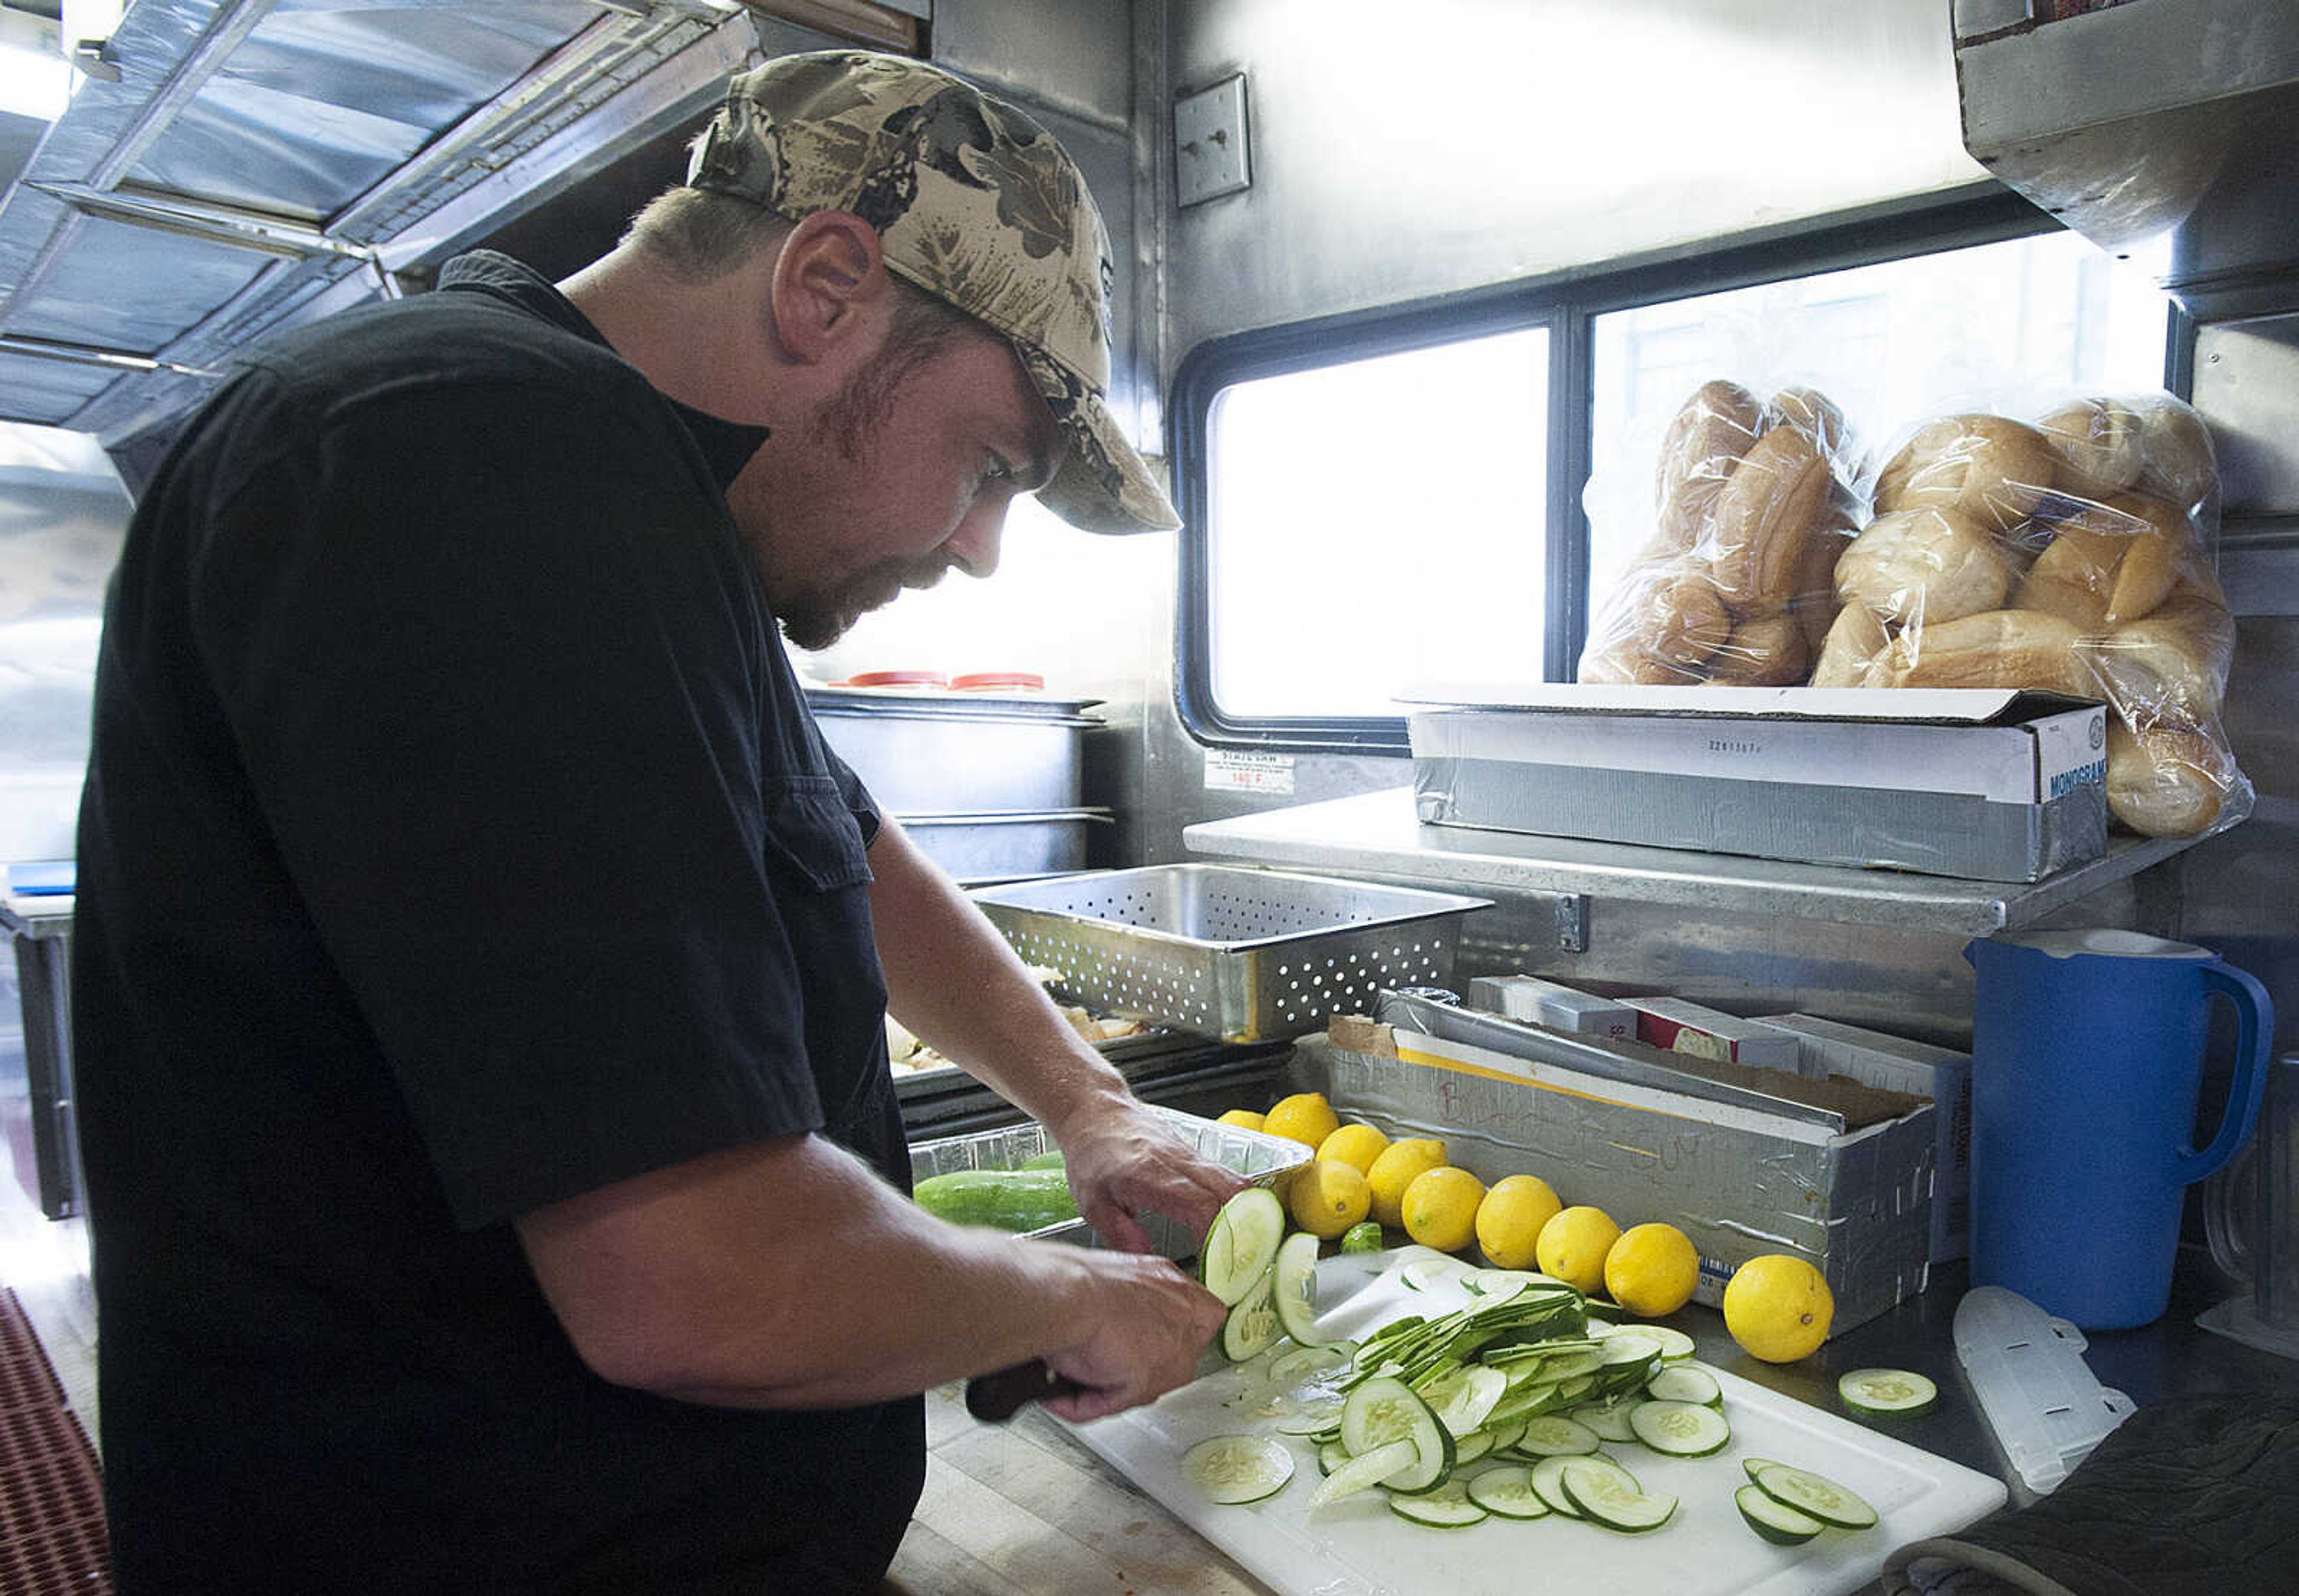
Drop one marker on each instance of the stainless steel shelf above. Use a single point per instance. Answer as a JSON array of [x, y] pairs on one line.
[[1377, 834]]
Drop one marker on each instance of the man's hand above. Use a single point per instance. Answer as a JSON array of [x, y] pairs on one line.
[[1154, 1324], [1124, 1161]]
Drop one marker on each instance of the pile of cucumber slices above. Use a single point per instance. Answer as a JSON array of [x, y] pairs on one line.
[[1521, 1381]]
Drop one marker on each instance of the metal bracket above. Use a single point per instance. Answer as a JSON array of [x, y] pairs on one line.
[[1572, 922]]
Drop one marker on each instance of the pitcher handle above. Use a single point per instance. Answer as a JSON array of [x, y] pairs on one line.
[[2255, 1029]]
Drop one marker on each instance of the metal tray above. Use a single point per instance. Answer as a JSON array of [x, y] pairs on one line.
[[1238, 955], [1257, 1156]]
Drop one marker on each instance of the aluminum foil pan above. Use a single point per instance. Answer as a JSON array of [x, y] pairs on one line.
[[1262, 1158]]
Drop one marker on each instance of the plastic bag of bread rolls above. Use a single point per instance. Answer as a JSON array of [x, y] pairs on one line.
[[1735, 585], [2071, 551]]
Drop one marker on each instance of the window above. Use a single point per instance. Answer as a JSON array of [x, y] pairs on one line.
[[1392, 502]]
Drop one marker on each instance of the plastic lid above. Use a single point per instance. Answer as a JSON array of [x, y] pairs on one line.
[[978, 681], [895, 678]]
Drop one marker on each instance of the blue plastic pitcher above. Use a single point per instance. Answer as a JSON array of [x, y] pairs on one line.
[[2086, 1062]]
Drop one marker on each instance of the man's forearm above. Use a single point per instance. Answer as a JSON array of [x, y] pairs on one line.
[[956, 984]]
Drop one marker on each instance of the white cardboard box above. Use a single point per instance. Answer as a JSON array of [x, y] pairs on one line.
[[1706, 1033], [1550, 1003], [1897, 1064], [1995, 785]]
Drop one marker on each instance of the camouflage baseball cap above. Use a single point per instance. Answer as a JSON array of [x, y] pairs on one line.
[[976, 205]]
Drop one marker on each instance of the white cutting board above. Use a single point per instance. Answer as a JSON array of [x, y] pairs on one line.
[[1358, 1547]]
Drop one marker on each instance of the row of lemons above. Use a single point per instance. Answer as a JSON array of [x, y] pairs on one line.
[[1778, 1306]]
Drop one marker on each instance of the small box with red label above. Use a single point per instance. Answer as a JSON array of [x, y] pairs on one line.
[[1706, 1033]]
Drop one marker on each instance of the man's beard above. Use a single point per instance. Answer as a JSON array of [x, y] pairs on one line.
[[816, 620]]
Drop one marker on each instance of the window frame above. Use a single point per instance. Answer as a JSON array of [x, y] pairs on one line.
[[1567, 304]]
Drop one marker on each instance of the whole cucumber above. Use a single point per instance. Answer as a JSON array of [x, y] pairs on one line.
[[1017, 1200]]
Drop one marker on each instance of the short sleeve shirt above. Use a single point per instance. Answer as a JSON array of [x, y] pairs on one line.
[[456, 840]]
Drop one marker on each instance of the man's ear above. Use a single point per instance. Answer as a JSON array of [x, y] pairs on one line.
[[830, 288]]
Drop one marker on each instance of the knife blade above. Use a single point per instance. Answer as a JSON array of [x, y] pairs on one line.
[[995, 1397]]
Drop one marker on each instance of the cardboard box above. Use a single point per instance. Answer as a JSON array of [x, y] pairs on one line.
[[1706, 1033], [1969, 782], [1897, 1064], [1738, 1181], [1560, 1007]]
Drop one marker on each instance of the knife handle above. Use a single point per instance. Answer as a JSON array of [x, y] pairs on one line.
[[995, 1397]]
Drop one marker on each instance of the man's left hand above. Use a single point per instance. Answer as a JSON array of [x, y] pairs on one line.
[[1124, 1161]]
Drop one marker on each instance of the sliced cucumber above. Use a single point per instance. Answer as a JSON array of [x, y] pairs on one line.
[[1505, 1434], [1241, 1244], [1252, 1327], [1310, 1360], [1605, 1495], [1571, 1365], [1293, 1286], [1463, 1399], [1554, 1435], [1448, 1507], [1230, 1469], [1629, 1346], [1547, 1478], [1895, 1393], [1507, 1493], [1673, 1344], [1574, 1389], [1752, 1466], [1384, 1411], [1469, 1448], [1363, 1471], [1682, 1383], [1774, 1519], [1823, 1499], [1680, 1429], [1316, 1417], [1331, 1456], [1422, 1274], [1609, 1419]]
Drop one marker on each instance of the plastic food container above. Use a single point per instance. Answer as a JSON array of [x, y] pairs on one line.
[[1262, 1158]]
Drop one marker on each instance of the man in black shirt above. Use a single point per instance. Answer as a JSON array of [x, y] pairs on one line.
[[482, 962]]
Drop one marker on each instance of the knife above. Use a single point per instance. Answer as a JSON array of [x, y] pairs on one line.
[[995, 1397]]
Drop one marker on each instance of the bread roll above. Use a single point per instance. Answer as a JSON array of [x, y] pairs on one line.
[[1763, 517], [2177, 463], [1991, 468], [2071, 578], [2173, 664], [1814, 602], [2127, 552], [1997, 648], [1810, 411], [1927, 565], [2167, 780], [2097, 446], [1850, 650], [1764, 651], [1705, 441], [1680, 618]]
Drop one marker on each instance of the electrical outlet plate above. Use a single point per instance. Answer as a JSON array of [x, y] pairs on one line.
[[1209, 142]]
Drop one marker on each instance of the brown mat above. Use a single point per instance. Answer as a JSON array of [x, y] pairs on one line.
[[52, 1530]]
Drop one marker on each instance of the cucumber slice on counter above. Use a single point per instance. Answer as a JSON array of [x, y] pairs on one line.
[[1629, 1346], [1446, 1507], [1673, 1344], [1331, 1456], [1463, 1399], [1549, 1482], [1681, 1383], [1773, 1519], [1294, 1286], [1310, 1360], [1241, 1244], [1469, 1448], [1231, 1469], [1813, 1495], [1365, 1471], [1384, 1410], [1507, 1493], [1680, 1429], [1894, 1393], [1609, 1419], [1316, 1417], [1252, 1327], [1606, 1495], [1554, 1435]]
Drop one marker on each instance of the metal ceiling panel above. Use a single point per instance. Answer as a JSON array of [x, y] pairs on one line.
[[48, 391], [130, 288]]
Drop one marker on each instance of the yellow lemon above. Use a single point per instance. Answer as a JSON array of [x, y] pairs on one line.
[[1251, 1120], [1778, 1307], [1356, 1145], [1395, 1170], [1572, 1246], [1440, 1209], [1327, 1197], [1652, 1269], [1510, 1217], [1306, 1117]]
